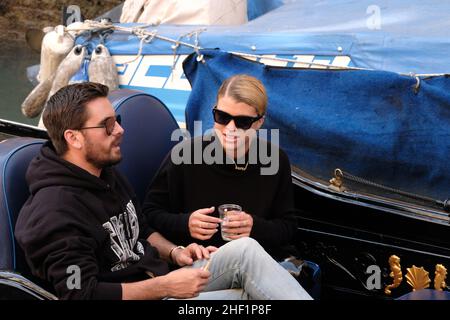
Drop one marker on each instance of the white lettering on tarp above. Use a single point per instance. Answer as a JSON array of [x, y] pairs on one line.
[[159, 71]]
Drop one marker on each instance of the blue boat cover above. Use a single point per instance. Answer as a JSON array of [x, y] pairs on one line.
[[401, 36], [386, 127]]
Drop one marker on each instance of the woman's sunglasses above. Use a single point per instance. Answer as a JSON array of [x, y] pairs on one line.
[[108, 124], [241, 122]]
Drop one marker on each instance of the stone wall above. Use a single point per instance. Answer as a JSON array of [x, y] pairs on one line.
[[16, 16]]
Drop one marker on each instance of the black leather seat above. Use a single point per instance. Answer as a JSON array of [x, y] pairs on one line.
[[15, 155], [148, 128]]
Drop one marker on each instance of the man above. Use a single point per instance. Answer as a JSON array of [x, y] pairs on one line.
[[83, 217]]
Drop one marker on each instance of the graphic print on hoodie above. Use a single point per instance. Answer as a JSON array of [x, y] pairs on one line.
[[124, 232]]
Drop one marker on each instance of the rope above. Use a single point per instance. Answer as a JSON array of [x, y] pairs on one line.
[[417, 86], [145, 38], [197, 51], [140, 32]]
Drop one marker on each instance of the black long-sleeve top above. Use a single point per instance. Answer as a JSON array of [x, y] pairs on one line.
[[179, 189]]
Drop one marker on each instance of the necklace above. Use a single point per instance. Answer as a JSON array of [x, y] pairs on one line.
[[236, 167], [241, 168]]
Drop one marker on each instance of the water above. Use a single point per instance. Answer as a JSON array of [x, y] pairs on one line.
[[14, 84]]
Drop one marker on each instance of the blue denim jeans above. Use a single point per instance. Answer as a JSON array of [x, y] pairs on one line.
[[242, 269]]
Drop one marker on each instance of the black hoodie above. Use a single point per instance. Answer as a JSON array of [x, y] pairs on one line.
[[74, 221]]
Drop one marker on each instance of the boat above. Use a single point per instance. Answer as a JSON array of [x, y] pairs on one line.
[[358, 98]]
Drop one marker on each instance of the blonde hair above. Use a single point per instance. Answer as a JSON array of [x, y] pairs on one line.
[[246, 89]]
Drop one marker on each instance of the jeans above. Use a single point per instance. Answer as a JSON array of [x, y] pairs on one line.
[[242, 269]]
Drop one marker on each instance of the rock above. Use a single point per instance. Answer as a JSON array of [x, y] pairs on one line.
[[16, 16]]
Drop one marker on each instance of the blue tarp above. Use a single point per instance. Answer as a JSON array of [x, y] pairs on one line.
[[400, 36], [256, 8], [370, 123]]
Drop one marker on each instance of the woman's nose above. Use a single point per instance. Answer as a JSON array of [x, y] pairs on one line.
[[231, 125]]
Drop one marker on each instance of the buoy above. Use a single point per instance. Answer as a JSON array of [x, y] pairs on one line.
[[102, 68], [35, 101], [67, 68], [56, 44]]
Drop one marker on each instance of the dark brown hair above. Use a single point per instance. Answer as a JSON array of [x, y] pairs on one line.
[[66, 110]]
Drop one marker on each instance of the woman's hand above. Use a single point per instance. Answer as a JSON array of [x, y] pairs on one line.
[[201, 225], [193, 252], [238, 225]]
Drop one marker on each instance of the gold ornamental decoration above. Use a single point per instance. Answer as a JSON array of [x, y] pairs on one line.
[[439, 277], [418, 278], [396, 273]]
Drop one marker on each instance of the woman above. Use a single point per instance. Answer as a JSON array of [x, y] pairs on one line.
[[183, 199]]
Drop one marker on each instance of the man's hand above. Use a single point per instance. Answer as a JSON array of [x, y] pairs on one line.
[[238, 225], [201, 225], [186, 283], [193, 252]]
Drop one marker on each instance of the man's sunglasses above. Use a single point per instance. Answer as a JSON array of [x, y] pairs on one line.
[[108, 124], [241, 122]]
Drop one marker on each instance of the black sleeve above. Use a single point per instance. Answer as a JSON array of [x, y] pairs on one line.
[[145, 230], [60, 248], [280, 229], [144, 227], [163, 202]]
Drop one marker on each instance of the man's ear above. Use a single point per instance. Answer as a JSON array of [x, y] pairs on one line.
[[73, 139]]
